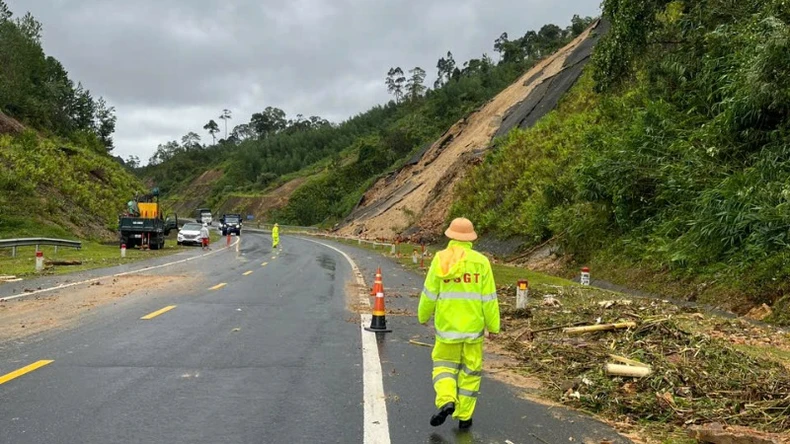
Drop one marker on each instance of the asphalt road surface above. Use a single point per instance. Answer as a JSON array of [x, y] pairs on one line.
[[264, 347]]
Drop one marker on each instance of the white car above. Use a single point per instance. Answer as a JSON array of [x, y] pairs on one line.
[[189, 234]]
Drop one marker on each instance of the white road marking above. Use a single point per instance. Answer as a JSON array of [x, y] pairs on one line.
[[376, 425], [125, 273]]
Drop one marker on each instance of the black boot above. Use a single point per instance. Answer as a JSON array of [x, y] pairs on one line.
[[464, 424], [438, 418]]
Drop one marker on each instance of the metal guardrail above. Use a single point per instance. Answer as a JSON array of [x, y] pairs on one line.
[[285, 227], [37, 241]]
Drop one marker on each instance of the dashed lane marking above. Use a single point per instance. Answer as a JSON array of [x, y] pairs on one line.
[[24, 370], [247, 273], [264, 264], [218, 286], [158, 312]]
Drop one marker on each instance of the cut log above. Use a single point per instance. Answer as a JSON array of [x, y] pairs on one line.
[[626, 370], [601, 327], [627, 361], [74, 262]]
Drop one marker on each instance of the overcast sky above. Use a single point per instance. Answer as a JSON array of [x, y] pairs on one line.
[[168, 66]]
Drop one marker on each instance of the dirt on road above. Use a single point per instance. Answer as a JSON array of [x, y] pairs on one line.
[[21, 318]]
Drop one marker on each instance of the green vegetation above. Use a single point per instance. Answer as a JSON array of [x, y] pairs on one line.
[[56, 177], [36, 90], [352, 154], [59, 189], [671, 156]]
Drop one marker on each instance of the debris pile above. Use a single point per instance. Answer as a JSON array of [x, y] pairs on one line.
[[636, 360]]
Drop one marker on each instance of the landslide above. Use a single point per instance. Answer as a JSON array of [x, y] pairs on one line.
[[415, 200]]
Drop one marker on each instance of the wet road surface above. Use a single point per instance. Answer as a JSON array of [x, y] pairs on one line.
[[261, 349]]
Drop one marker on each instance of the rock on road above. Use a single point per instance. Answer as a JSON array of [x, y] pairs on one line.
[[258, 347]]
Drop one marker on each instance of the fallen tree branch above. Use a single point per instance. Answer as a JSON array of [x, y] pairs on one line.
[[601, 327]]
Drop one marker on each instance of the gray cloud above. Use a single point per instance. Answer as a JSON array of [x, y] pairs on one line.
[[170, 66]]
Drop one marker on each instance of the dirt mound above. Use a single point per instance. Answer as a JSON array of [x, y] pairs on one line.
[[9, 125], [415, 201]]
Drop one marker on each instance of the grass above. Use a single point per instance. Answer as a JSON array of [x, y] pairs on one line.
[[92, 254]]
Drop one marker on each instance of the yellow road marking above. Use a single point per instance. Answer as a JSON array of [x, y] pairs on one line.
[[264, 264], [17, 373], [158, 312], [218, 286], [247, 273]]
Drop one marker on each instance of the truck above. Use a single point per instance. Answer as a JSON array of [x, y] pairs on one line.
[[143, 223], [230, 224], [203, 216]]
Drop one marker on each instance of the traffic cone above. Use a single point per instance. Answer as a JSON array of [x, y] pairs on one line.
[[379, 322]]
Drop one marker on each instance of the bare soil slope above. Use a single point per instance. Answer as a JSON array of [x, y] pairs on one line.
[[260, 206], [415, 201]]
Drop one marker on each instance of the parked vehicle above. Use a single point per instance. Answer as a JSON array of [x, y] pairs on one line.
[[189, 234], [143, 224], [230, 224]]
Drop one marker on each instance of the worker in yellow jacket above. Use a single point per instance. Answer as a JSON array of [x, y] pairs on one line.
[[275, 236], [461, 295]]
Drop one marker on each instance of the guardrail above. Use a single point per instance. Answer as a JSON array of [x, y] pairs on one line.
[[268, 227], [38, 241]]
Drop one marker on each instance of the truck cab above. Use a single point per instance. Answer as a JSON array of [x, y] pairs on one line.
[[203, 216]]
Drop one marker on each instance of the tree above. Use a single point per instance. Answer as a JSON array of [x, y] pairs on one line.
[[190, 141], [318, 122], [29, 26], [83, 109], [269, 122], [133, 162], [104, 123], [225, 116], [5, 13], [242, 132], [445, 67], [415, 85], [212, 129], [578, 24], [395, 80]]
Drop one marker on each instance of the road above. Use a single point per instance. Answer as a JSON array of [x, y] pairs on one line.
[[257, 347]]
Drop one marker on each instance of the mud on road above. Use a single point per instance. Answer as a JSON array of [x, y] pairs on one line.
[[24, 317]]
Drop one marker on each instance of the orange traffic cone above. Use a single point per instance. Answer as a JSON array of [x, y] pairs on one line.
[[227, 242], [379, 322]]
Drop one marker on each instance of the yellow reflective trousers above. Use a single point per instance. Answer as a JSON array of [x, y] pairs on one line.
[[457, 369]]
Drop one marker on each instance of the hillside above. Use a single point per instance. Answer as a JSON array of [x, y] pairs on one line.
[[57, 177], [51, 188], [667, 167], [337, 163], [415, 200]]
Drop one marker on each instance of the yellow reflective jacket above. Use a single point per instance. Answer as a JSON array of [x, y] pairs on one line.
[[276, 232], [460, 291]]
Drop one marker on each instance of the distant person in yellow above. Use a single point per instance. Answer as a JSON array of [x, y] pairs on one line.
[[275, 236], [461, 295]]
